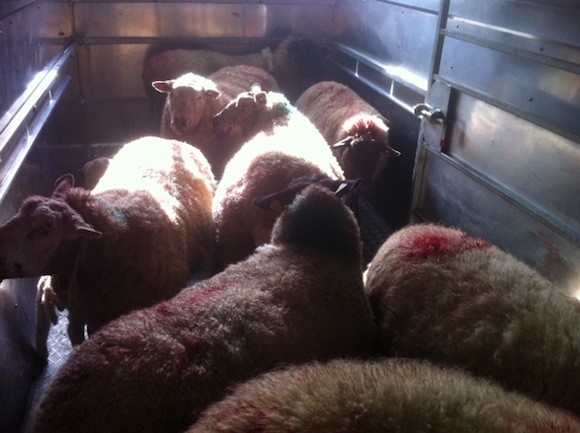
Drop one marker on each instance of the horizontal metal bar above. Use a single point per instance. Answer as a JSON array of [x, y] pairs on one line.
[[27, 136], [415, 83], [515, 51], [538, 120], [381, 91], [411, 6]]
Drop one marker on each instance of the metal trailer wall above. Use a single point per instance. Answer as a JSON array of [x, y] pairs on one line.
[[498, 153]]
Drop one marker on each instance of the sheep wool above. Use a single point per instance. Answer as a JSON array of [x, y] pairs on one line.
[[193, 100], [393, 396], [441, 295], [287, 147], [298, 299], [134, 240], [357, 132], [295, 63]]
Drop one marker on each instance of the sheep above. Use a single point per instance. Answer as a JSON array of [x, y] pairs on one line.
[[441, 295], [134, 240], [288, 147], [391, 395], [296, 299], [296, 63], [359, 135], [192, 101]]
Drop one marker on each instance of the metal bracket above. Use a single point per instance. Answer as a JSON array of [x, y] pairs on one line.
[[432, 115]]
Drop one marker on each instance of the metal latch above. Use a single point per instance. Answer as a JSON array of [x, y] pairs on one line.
[[434, 130], [433, 115]]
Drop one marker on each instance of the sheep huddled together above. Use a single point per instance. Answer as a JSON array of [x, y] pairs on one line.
[[295, 63], [441, 295], [395, 395], [494, 345], [285, 146], [131, 242], [193, 100], [297, 299]]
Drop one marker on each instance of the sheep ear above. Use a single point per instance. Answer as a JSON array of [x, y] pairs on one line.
[[62, 185], [344, 142], [389, 151], [346, 186], [275, 201], [212, 93], [81, 228], [163, 86], [262, 98]]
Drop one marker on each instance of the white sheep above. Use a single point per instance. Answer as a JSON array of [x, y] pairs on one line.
[[285, 146], [134, 240], [296, 63], [442, 295], [357, 132], [298, 299], [394, 395], [193, 100]]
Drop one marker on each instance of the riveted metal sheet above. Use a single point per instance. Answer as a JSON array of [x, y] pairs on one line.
[[388, 33], [491, 141], [545, 94], [197, 20], [453, 197]]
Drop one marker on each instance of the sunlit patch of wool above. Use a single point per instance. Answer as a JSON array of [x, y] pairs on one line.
[[133, 173]]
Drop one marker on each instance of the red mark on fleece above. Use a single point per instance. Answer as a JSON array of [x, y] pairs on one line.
[[429, 245], [176, 305], [365, 125], [255, 415]]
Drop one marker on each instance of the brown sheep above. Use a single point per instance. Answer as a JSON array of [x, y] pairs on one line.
[[385, 396], [358, 134], [296, 299], [441, 295], [288, 147], [133, 241]]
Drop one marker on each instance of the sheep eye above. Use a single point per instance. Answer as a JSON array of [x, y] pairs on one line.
[[42, 230]]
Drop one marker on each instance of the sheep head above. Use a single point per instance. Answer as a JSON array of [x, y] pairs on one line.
[[187, 100], [238, 118], [43, 228], [365, 151]]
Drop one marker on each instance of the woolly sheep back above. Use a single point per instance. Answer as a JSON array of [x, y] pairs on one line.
[[394, 396], [355, 130], [156, 369], [442, 295], [265, 164]]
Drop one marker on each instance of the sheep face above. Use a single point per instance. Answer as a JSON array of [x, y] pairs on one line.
[[187, 99], [357, 154], [42, 228], [238, 117]]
